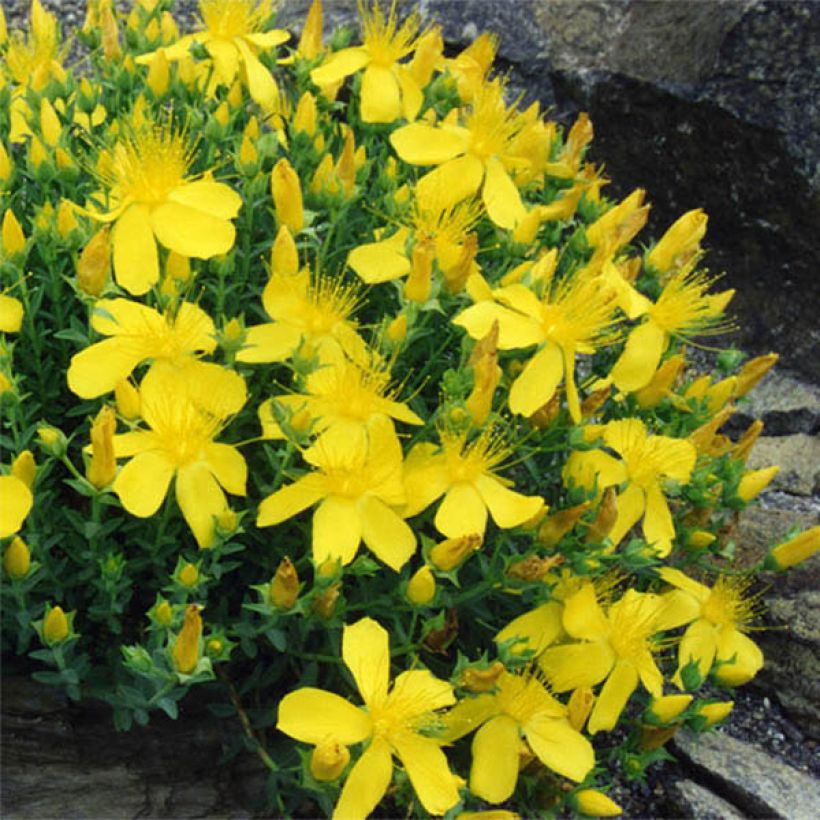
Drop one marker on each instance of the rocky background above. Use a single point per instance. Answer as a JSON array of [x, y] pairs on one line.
[[704, 103]]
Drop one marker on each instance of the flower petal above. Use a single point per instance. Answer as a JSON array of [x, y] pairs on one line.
[[612, 699], [631, 505], [412, 96], [98, 369], [261, 84], [450, 183], [748, 659], [288, 501], [699, 644], [312, 715], [191, 232], [425, 478], [380, 96], [200, 499], [378, 262], [640, 358], [422, 144], [366, 652], [337, 530], [560, 747], [658, 528], [228, 466], [462, 512], [340, 65], [501, 197], [214, 198], [466, 715], [386, 534], [367, 782], [537, 382], [272, 342], [17, 501], [136, 262], [225, 58], [577, 664], [143, 482], [583, 616], [267, 39], [514, 330], [494, 772], [539, 628], [507, 507], [428, 771]]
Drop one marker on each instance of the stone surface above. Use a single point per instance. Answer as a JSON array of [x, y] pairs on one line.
[[798, 457], [785, 403], [691, 800], [758, 784]]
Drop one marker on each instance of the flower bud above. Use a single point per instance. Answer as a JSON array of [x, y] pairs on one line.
[[421, 588], [666, 708], [304, 120], [593, 803], [5, 166], [324, 603], [700, 539], [186, 650], [24, 467], [714, 713], [159, 73], [447, 555], [533, 568], [11, 314], [680, 242], [66, 220], [793, 551], [168, 28], [163, 613], [486, 376], [346, 166], [17, 559], [94, 264], [559, 523], [50, 127], [397, 329], [103, 466], [482, 680], [110, 34], [328, 760], [661, 382], [755, 481], [284, 588], [12, 236], [128, 400], [52, 440], [310, 42], [753, 371], [545, 415], [419, 283], [287, 196], [55, 626], [580, 705], [226, 522], [189, 576], [605, 519], [284, 258], [214, 647]]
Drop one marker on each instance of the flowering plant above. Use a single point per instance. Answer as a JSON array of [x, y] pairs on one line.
[[449, 504]]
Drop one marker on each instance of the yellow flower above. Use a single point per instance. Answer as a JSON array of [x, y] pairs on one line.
[[35, 62], [465, 474], [717, 618], [358, 483], [572, 316], [151, 199], [17, 501], [184, 410], [389, 90], [394, 721], [187, 647], [11, 314], [232, 34], [645, 461], [137, 333], [342, 395], [613, 646], [519, 706], [683, 309], [311, 312], [470, 158]]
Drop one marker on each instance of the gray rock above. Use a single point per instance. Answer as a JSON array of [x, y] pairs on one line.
[[689, 799], [758, 784], [798, 457], [785, 403]]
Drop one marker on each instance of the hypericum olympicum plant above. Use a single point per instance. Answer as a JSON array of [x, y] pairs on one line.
[[262, 303]]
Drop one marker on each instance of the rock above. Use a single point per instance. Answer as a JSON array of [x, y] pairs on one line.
[[758, 784], [798, 457], [785, 403], [691, 800]]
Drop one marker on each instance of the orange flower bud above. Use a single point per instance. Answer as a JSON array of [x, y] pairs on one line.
[[447, 555], [186, 652], [482, 680], [284, 588], [103, 465], [559, 523]]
